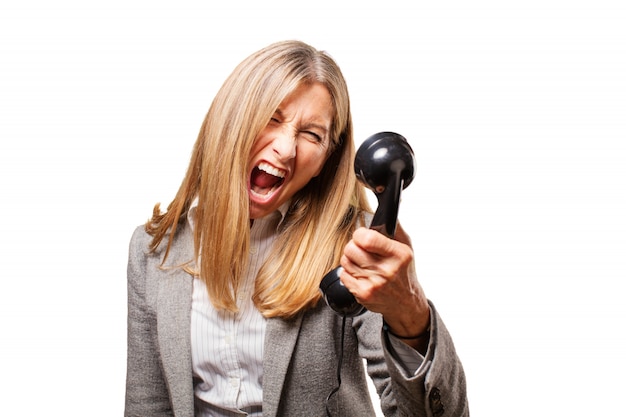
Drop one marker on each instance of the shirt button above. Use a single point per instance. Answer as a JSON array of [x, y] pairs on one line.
[[234, 382], [253, 250]]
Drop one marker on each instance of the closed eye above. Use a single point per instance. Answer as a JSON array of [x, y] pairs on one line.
[[314, 136], [277, 117]]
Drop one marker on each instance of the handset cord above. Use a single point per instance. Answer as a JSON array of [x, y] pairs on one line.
[[339, 363]]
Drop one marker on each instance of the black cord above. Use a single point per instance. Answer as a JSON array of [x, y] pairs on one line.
[[339, 363]]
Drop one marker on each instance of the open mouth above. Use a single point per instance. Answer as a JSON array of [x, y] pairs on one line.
[[265, 179]]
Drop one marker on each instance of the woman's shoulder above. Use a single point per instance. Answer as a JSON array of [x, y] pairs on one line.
[[180, 250], [139, 248], [140, 235], [140, 242], [141, 239]]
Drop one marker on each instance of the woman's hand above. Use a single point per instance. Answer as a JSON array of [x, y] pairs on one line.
[[380, 273]]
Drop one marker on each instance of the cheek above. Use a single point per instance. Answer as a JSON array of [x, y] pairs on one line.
[[315, 162], [321, 163], [259, 144]]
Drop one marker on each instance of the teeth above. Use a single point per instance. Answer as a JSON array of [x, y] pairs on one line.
[[271, 170]]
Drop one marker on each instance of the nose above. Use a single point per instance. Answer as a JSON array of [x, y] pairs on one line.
[[284, 145]]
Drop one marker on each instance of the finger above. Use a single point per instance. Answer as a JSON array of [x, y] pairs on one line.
[[364, 287], [359, 279], [357, 261], [358, 267], [377, 251], [373, 242]]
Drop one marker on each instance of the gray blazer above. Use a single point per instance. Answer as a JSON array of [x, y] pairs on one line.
[[300, 355]]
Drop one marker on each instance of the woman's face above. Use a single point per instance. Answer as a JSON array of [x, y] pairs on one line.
[[290, 150]]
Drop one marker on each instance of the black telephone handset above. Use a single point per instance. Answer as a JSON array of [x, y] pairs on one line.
[[384, 163]]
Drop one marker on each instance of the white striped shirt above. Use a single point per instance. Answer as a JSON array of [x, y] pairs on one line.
[[226, 347]]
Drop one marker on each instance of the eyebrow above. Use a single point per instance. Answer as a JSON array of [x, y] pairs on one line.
[[307, 125]]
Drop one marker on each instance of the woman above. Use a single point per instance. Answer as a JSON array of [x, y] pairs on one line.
[[225, 314]]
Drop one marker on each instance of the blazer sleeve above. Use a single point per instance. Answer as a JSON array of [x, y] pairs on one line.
[[438, 387], [146, 390]]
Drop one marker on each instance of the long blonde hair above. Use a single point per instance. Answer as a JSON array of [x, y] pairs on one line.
[[322, 215]]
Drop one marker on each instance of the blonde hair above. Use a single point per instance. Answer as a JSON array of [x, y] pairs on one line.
[[322, 215]]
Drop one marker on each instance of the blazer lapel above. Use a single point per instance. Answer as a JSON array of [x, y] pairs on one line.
[[174, 327], [280, 340]]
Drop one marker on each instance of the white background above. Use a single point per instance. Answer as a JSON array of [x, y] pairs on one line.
[[516, 113]]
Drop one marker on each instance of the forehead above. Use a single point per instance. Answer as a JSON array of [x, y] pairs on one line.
[[310, 101]]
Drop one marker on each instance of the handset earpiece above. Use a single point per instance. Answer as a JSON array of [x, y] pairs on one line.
[[384, 163]]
